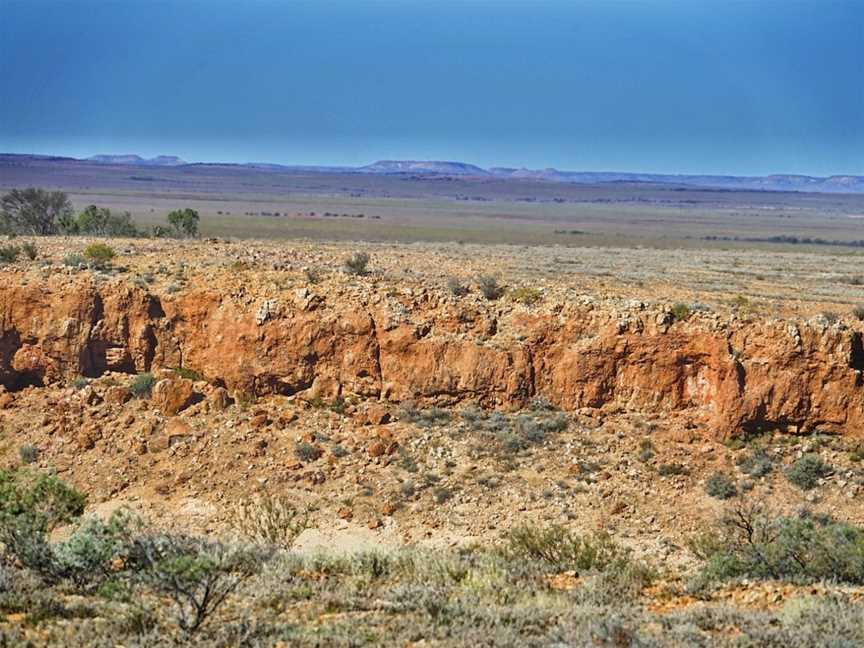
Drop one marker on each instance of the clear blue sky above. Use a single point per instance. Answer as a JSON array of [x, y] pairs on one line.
[[665, 86]]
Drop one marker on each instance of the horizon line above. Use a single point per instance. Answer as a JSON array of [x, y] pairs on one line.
[[185, 162]]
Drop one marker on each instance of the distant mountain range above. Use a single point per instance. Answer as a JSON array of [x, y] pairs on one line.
[[408, 168]]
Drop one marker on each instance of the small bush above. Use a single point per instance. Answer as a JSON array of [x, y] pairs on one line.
[[680, 312], [188, 374], [271, 519], [41, 496], [829, 317], [757, 464], [357, 264], [28, 453], [526, 296], [562, 550], [142, 385], [858, 313], [490, 288], [183, 223], [99, 255], [456, 287], [198, 575], [807, 471], [749, 543], [432, 417], [669, 469], [80, 383], [29, 250], [9, 253], [721, 486], [74, 261], [307, 452], [646, 451]]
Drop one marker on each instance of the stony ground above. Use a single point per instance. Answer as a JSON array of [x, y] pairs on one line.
[[375, 475]]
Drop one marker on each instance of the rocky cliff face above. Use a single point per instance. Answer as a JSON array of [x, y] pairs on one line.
[[732, 375]]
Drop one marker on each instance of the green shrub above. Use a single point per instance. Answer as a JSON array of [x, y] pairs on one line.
[[142, 385], [559, 548], [188, 374], [100, 221], [807, 471], [9, 253], [34, 211], [756, 464], [183, 223], [490, 287], [858, 313], [357, 264], [526, 296], [307, 452], [28, 453], [40, 496], [99, 255], [680, 312], [432, 417], [749, 543], [29, 250], [721, 486], [85, 558], [196, 574]]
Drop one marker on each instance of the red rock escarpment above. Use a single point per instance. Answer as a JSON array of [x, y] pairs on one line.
[[731, 375]]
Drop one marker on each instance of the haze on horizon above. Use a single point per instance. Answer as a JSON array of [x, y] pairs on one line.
[[655, 86]]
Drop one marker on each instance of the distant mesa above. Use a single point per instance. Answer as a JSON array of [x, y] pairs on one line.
[[419, 170], [417, 166], [137, 160]]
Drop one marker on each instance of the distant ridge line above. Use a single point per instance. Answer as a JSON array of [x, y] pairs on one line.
[[773, 182]]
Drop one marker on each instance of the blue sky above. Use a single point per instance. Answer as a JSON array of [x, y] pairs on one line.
[[662, 86]]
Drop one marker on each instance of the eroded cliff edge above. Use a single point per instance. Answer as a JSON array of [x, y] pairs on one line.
[[732, 374]]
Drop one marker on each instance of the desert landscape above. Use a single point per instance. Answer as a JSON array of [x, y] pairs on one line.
[[406, 324], [216, 440]]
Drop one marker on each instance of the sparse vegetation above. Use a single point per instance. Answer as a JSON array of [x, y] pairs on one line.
[[307, 452], [526, 296], [99, 255], [9, 253], [99, 221], [720, 486], [357, 264], [183, 223], [490, 288], [34, 211], [756, 464], [142, 384], [807, 471], [29, 249], [751, 543], [680, 312], [28, 453], [456, 287], [269, 519], [74, 260]]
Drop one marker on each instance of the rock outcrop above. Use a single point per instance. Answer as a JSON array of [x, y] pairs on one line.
[[732, 375]]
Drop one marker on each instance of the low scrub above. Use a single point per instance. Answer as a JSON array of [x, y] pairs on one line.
[[749, 542], [142, 385], [99, 255], [807, 471]]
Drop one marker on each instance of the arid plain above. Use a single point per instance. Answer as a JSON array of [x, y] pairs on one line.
[[505, 413]]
